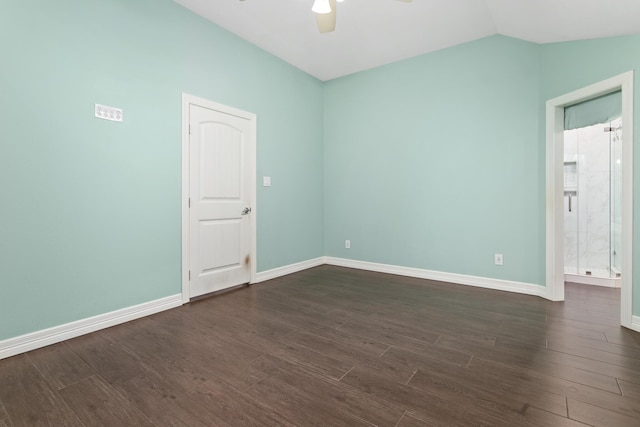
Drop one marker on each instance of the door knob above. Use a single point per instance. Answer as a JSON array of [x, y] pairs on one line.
[[246, 211]]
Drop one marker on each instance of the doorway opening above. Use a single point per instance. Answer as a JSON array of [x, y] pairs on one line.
[[592, 203], [555, 189]]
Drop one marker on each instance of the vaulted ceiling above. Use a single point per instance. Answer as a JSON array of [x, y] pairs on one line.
[[370, 33]]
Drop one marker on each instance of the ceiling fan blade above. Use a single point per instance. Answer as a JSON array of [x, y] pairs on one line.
[[327, 21]]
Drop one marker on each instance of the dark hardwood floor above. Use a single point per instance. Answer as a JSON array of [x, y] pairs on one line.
[[337, 347]]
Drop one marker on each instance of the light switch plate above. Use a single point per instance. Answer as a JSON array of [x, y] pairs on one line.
[[266, 181], [108, 113]]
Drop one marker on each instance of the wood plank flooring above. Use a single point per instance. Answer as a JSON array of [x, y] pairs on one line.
[[332, 346]]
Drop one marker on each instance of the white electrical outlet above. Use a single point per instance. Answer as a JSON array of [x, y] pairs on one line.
[[108, 113], [347, 244], [266, 181], [498, 259]]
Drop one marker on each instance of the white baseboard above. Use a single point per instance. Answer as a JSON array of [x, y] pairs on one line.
[[288, 269], [32, 341], [481, 282], [635, 323], [45, 337]]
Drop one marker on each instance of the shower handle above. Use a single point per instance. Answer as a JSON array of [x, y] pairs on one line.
[[569, 202]]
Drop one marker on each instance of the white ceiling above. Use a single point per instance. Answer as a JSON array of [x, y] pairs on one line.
[[370, 33]]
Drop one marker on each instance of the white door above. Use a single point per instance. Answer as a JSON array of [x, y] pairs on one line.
[[220, 195]]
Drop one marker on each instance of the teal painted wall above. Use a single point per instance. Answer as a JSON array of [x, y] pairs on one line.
[[90, 218], [438, 162], [570, 66], [433, 162]]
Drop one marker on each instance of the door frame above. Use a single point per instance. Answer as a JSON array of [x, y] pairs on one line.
[[188, 100], [555, 183]]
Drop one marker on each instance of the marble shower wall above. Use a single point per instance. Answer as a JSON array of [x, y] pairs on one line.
[[570, 198]]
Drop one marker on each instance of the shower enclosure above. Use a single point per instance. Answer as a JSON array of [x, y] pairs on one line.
[[592, 203]]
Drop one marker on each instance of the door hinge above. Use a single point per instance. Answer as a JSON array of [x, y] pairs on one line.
[[189, 201], [189, 129], [189, 274]]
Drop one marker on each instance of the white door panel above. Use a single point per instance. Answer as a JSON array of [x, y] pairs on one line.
[[220, 189], [214, 256], [220, 161]]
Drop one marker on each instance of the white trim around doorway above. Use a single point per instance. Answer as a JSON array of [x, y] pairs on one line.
[[554, 189]]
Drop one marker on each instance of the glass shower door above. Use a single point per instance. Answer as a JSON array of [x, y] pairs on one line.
[[616, 195]]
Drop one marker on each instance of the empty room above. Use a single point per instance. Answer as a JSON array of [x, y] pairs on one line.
[[319, 213]]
